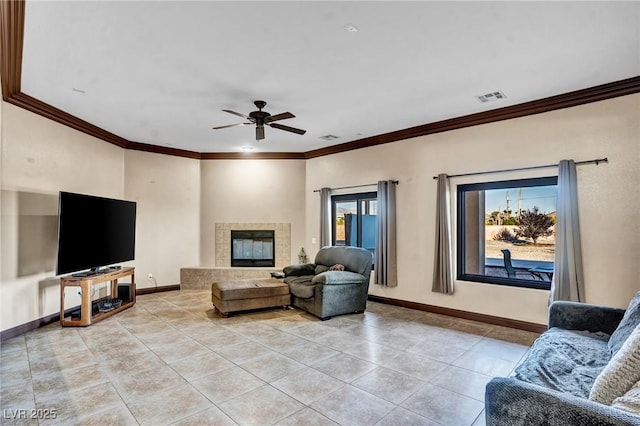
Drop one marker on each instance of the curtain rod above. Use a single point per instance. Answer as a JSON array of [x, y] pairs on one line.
[[356, 186], [578, 163]]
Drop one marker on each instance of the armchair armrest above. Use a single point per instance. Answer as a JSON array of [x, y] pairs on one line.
[[299, 270], [512, 402], [338, 278], [584, 316]]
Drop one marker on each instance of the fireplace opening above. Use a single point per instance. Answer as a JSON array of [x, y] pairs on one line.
[[252, 248]]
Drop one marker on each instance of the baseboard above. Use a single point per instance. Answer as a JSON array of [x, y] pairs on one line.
[[150, 290], [488, 319], [50, 319], [32, 325]]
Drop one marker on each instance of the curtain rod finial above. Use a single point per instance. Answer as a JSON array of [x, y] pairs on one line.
[[601, 160]]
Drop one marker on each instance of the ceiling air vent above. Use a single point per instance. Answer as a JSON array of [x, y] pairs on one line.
[[329, 137], [491, 97]]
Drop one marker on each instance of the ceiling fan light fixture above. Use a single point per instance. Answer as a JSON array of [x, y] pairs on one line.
[[259, 132]]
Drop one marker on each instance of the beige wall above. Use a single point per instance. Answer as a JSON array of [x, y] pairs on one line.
[[259, 191], [167, 192], [40, 158], [609, 198]]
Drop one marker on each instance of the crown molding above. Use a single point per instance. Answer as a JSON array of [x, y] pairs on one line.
[[45, 110], [11, 43], [579, 97], [253, 156], [139, 146]]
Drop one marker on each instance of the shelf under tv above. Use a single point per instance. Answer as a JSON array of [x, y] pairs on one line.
[[87, 315]]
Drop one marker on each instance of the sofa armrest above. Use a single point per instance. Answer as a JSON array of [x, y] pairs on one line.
[[338, 278], [299, 270], [584, 316], [512, 402]]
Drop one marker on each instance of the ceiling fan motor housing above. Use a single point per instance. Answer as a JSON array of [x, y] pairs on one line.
[[259, 116]]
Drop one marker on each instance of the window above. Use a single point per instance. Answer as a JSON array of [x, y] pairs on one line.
[[506, 232], [354, 220]]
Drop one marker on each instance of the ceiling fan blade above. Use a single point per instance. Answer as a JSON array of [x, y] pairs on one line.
[[277, 117], [288, 129], [259, 132], [237, 113], [231, 125]]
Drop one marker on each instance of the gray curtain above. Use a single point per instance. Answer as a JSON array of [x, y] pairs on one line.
[[568, 279], [325, 217], [385, 266], [442, 268]]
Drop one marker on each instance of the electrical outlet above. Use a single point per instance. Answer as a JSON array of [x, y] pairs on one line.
[[150, 276]]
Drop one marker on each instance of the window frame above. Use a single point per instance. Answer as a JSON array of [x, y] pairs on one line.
[[461, 189], [358, 198]]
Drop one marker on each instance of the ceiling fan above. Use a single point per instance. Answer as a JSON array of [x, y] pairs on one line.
[[261, 118]]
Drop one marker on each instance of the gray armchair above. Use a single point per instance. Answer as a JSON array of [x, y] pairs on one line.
[[326, 293], [552, 384]]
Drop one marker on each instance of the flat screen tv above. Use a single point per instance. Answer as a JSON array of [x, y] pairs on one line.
[[94, 232]]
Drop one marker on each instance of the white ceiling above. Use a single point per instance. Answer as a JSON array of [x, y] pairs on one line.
[[160, 72]]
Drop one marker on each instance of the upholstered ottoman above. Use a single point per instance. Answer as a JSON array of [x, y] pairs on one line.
[[242, 295]]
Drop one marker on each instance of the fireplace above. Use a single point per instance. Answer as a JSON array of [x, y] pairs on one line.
[[223, 245], [253, 248]]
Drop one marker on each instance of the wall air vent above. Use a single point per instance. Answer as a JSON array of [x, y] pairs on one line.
[[329, 137], [491, 97]]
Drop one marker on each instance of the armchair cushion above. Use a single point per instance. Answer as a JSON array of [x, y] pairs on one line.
[[565, 360], [321, 268], [299, 270], [584, 316], [630, 320], [338, 277], [621, 373], [354, 259], [630, 401], [301, 287]]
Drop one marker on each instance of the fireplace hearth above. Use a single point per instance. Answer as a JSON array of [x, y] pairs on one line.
[[252, 248]]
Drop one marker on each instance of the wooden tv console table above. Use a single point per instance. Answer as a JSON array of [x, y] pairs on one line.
[[86, 284]]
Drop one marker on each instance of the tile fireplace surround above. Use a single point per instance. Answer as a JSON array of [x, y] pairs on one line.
[[201, 277]]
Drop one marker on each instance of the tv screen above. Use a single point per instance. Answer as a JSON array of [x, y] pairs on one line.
[[94, 232]]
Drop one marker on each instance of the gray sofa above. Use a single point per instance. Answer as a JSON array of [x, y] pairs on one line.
[[552, 386], [326, 293]]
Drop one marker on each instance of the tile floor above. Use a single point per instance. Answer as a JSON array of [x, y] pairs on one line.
[[172, 360]]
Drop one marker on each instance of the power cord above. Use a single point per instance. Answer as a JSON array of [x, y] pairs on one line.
[[153, 280]]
